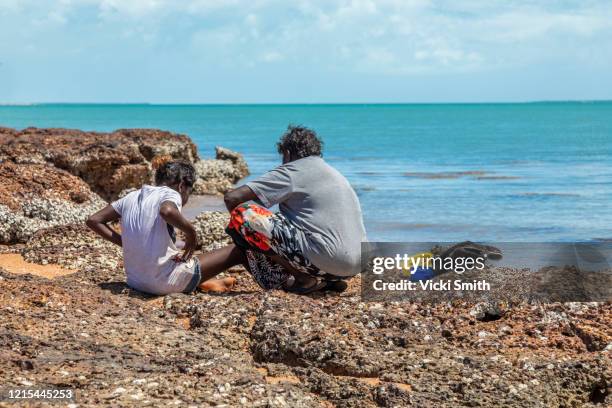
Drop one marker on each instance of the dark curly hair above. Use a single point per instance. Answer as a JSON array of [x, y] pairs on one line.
[[300, 142], [175, 172]]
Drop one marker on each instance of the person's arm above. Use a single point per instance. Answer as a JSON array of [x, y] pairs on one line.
[[237, 196], [98, 223], [171, 214]]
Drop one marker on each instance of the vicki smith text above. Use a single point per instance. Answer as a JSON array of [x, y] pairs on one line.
[[443, 285]]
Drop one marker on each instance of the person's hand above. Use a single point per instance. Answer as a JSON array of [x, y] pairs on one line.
[[191, 242]]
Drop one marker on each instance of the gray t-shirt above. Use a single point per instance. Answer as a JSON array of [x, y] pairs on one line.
[[319, 200]]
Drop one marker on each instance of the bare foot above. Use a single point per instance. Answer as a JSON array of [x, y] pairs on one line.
[[217, 285]]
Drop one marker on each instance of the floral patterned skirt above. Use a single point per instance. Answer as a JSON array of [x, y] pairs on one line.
[[264, 234]]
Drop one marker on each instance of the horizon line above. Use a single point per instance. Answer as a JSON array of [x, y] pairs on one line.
[[3, 104]]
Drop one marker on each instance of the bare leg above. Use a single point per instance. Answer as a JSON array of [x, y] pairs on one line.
[[214, 262]]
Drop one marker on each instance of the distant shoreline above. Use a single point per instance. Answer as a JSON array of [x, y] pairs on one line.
[[255, 104]]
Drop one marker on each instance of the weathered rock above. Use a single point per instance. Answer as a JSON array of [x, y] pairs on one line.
[[108, 162], [115, 348], [35, 196], [78, 248], [254, 348], [53, 176], [217, 176], [487, 311], [14, 227], [22, 182], [112, 162], [208, 183], [241, 169], [210, 227]]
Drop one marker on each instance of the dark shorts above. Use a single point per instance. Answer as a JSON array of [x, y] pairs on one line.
[[263, 234]]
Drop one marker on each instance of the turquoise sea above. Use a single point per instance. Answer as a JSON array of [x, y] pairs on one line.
[[441, 172]]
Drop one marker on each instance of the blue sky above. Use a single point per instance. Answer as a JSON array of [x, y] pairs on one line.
[[277, 51]]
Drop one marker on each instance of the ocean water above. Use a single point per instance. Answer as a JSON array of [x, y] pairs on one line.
[[533, 172]]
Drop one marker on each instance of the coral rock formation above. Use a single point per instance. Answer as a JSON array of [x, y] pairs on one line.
[[217, 176], [36, 196], [57, 177], [210, 227], [112, 162]]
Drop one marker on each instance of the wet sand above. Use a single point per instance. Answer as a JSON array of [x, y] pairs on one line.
[[14, 263], [199, 203]]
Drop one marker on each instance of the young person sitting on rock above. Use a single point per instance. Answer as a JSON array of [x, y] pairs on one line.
[[314, 241], [148, 217]]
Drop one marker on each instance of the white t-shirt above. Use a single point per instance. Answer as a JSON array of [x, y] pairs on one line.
[[148, 249]]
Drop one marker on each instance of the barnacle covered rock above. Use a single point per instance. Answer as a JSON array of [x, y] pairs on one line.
[[35, 196], [217, 176], [112, 162], [210, 227], [74, 247]]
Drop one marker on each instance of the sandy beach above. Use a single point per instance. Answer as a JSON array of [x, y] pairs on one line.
[[200, 203], [69, 319]]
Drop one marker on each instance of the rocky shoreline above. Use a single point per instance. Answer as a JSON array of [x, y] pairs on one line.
[[55, 177], [117, 347]]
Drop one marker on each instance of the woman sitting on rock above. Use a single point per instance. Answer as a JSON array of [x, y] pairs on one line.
[[314, 241], [148, 216]]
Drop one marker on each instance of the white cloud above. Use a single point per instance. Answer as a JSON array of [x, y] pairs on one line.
[[135, 8], [378, 37], [272, 56]]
